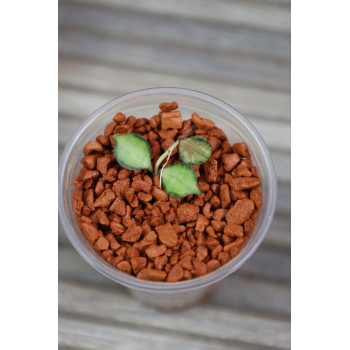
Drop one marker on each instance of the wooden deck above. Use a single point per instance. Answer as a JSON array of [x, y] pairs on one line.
[[238, 51]]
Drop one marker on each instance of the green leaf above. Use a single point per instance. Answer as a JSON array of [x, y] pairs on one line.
[[180, 180], [132, 152], [195, 150]]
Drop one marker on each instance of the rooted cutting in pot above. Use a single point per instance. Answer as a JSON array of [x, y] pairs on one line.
[[138, 224]]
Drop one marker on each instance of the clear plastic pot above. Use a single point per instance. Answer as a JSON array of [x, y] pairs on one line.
[[144, 103]]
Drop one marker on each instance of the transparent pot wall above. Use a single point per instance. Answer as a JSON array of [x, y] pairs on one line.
[[145, 103]]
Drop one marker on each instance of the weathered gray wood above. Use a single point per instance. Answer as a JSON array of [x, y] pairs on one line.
[[174, 32], [266, 263], [202, 321], [254, 295], [260, 15], [279, 233], [252, 102], [67, 125], [79, 104], [283, 205], [283, 194], [141, 56], [92, 334], [282, 163], [240, 290], [277, 237]]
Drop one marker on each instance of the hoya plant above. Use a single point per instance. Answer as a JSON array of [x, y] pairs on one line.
[[133, 152]]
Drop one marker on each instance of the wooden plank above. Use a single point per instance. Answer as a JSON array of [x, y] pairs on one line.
[[72, 267], [238, 290], [283, 205], [282, 163], [248, 71], [266, 263], [252, 14], [252, 102], [67, 125], [279, 233], [283, 194], [79, 104], [220, 323], [173, 32], [277, 237], [257, 296], [92, 334]]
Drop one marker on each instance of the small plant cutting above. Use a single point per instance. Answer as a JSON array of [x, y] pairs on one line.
[[133, 152]]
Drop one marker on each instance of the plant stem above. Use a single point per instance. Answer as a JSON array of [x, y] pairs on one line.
[[170, 149], [163, 156]]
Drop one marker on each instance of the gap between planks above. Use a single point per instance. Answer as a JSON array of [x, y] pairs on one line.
[[94, 78], [277, 238], [200, 321], [117, 52], [78, 334], [258, 295], [267, 263], [259, 15], [71, 328], [172, 33], [282, 159], [76, 105]]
